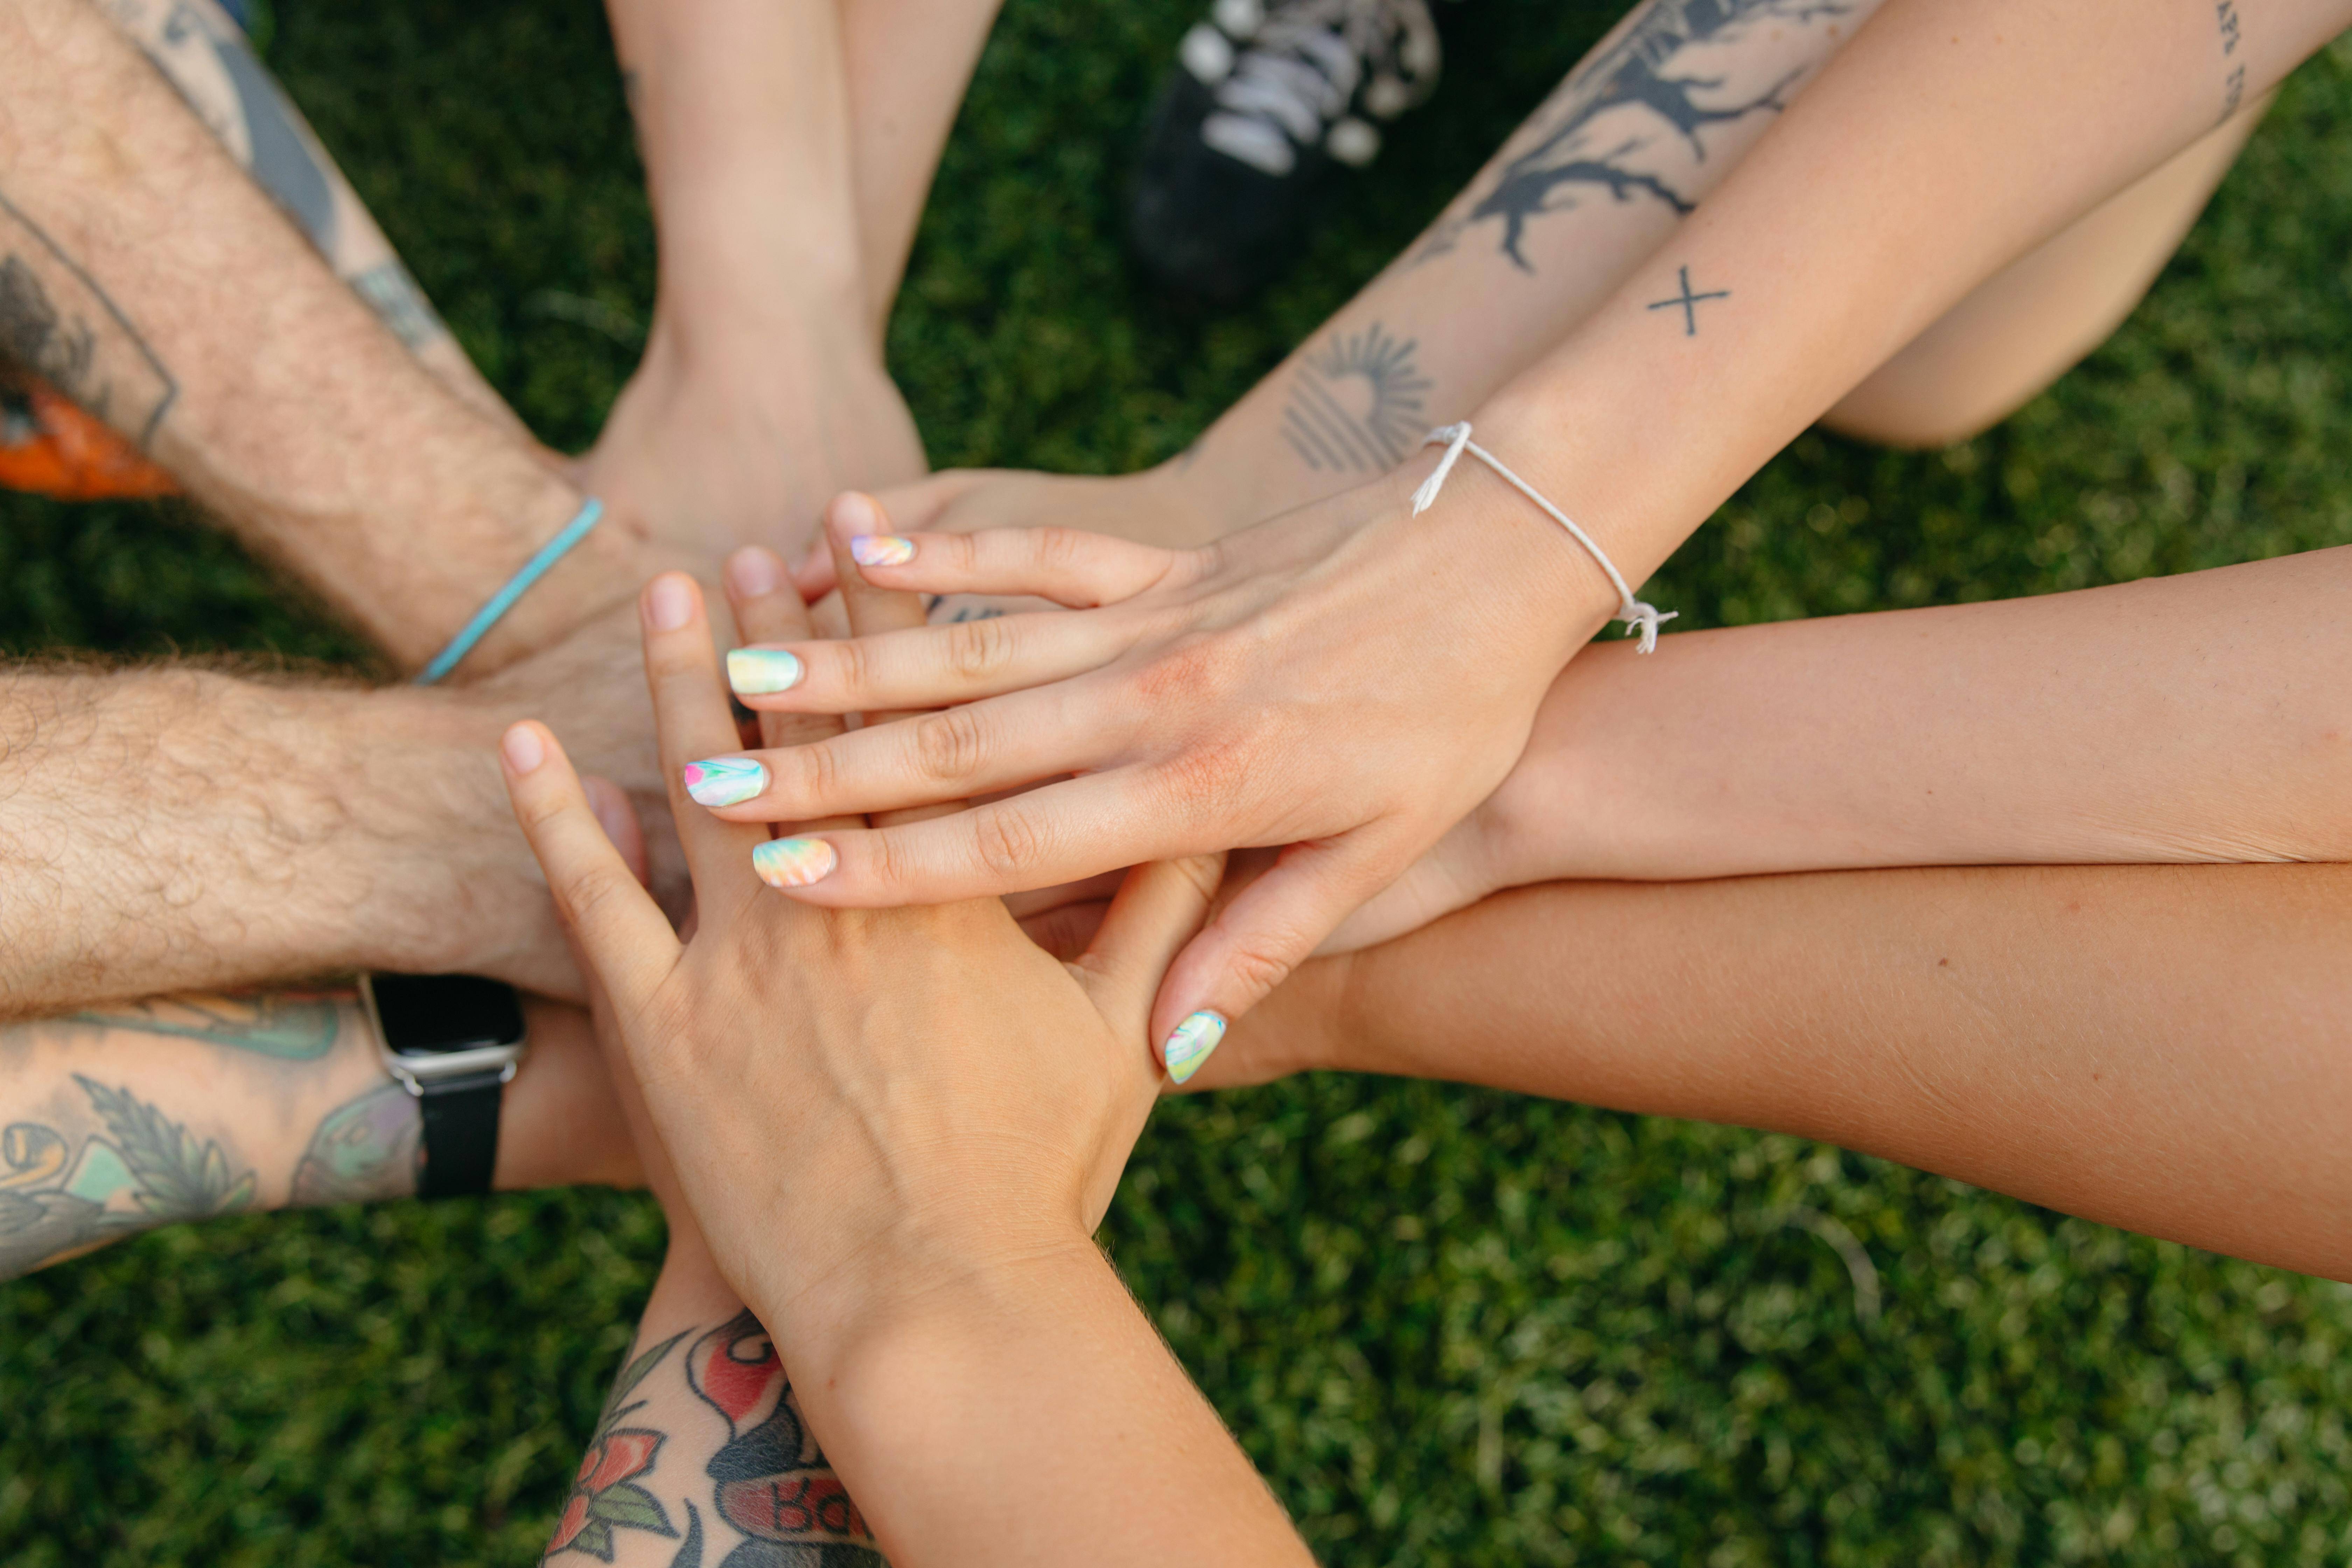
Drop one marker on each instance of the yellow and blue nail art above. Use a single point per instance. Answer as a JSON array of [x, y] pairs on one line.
[[1189, 1043], [793, 862], [759, 671]]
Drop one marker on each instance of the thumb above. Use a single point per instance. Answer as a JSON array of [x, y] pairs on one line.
[[1269, 928], [1158, 909]]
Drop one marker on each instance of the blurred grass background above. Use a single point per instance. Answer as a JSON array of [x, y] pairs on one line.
[[1452, 1326]]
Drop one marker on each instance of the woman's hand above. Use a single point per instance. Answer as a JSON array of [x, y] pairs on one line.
[[1345, 682]]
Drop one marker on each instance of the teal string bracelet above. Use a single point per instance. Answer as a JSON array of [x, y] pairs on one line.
[[591, 511]]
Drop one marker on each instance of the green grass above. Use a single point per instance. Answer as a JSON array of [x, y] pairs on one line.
[[1452, 1326]]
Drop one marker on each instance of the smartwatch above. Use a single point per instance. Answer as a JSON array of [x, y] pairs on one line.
[[452, 1040]]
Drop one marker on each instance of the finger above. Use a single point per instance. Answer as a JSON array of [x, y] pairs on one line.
[[1065, 931], [1070, 566], [1255, 940], [617, 815], [768, 611], [625, 941], [1005, 742], [1159, 909], [697, 737], [1059, 834], [961, 661]]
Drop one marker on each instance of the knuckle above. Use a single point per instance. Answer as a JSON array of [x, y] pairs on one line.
[[1063, 548], [949, 745], [1257, 962], [1207, 780], [977, 650], [582, 895], [1007, 839], [853, 665]]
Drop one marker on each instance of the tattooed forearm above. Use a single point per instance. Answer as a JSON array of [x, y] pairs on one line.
[[115, 1123], [2233, 84], [1356, 405], [1688, 303], [760, 1471], [1630, 122], [205, 58], [58, 324]]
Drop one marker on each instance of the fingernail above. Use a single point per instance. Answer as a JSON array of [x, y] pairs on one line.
[[669, 603], [881, 549], [759, 671], [724, 781], [1189, 1043], [793, 862], [753, 573], [854, 511], [524, 752]]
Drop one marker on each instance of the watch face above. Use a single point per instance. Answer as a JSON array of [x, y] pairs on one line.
[[428, 1014]]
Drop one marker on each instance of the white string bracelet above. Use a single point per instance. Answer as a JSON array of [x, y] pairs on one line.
[[1638, 617]]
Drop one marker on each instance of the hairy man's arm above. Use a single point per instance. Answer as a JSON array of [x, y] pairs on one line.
[[187, 1108], [143, 275], [176, 829]]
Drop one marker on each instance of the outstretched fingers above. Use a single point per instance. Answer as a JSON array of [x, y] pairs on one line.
[[624, 938], [1067, 566]]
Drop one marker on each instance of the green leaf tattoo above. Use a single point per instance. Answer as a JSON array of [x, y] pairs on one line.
[[178, 1178]]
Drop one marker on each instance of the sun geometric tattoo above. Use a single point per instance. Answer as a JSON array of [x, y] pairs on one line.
[[1357, 404]]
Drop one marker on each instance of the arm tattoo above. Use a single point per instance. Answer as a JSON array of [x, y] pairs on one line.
[[137, 1169], [369, 1151], [292, 1026], [770, 1481], [2233, 87], [1688, 303], [1619, 103], [58, 324], [1356, 405]]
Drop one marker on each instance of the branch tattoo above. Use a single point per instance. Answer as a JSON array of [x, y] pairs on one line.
[[1624, 100], [58, 324], [2233, 88], [1357, 404]]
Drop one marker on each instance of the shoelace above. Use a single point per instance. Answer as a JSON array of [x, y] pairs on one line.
[[1300, 69]]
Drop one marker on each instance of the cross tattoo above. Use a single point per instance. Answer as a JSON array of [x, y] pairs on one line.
[[1689, 303]]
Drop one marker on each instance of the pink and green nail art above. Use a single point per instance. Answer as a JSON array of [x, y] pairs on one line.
[[724, 781], [760, 671], [881, 549], [1189, 1044]]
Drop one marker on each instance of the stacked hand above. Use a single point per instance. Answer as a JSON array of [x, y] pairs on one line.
[[1342, 684]]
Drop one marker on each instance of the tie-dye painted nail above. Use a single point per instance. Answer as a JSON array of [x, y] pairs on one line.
[[881, 549], [793, 862], [724, 781], [1189, 1043], [758, 671]]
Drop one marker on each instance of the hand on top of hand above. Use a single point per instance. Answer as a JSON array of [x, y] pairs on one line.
[[1346, 682], [952, 1098]]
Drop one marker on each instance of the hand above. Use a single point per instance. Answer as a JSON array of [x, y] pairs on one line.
[[721, 441], [855, 1102], [1346, 681]]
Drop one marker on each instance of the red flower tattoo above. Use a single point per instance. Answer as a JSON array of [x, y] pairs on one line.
[[605, 1496]]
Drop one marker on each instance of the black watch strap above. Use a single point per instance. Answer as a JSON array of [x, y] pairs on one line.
[[461, 1134]]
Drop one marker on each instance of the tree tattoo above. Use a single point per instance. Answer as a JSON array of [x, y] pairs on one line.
[[55, 323], [604, 1495], [1618, 103], [773, 1484], [1356, 406], [145, 1169]]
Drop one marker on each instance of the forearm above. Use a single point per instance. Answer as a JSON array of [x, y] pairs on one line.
[[149, 280], [172, 830], [1947, 138], [2152, 1046], [188, 1107], [1029, 1416], [2190, 718]]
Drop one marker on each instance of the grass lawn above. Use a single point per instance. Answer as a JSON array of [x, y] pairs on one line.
[[1452, 1326]]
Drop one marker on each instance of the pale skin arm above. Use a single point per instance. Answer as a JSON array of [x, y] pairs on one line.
[[2157, 1047], [115, 1121], [173, 829], [149, 279], [2196, 718]]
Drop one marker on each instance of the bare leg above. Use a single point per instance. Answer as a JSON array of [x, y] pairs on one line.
[[2158, 1047], [2030, 323]]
